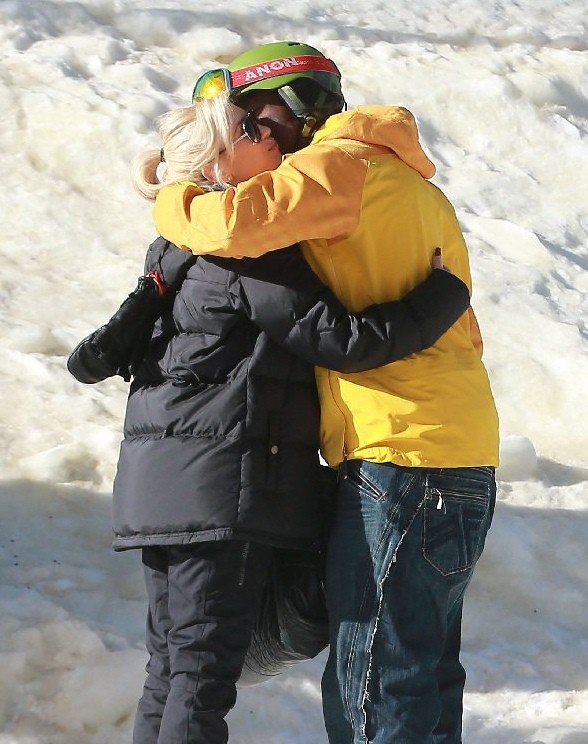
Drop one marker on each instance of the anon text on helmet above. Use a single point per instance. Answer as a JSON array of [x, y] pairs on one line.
[[274, 67]]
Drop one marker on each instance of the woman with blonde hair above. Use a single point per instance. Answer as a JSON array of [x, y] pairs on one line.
[[219, 464], [199, 146]]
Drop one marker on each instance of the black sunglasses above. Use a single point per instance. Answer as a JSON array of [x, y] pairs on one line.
[[250, 127]]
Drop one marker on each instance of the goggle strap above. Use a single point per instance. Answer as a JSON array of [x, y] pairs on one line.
[[281, 66], [222, 79]]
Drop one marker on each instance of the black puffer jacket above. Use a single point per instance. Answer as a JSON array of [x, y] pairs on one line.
[[222, 424]]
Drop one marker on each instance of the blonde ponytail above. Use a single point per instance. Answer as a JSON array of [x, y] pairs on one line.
[[144, 173], [192, 137]]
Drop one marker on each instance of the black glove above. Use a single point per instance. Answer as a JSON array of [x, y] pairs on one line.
[[119, 347]]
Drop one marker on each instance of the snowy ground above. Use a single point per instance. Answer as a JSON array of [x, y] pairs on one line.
[[500, 92]]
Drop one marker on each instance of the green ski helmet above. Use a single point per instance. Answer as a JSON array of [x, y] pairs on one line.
[[307, 81]]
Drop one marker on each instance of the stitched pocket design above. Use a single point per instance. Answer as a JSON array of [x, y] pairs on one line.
[[456, 520]]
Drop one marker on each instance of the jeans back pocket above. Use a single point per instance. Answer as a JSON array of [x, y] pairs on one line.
[[457, 513]]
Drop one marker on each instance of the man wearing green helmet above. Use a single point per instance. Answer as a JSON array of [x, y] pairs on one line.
[[415, 442], [294, 86]]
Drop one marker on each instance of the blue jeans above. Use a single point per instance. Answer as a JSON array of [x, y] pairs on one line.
[[401, 554]]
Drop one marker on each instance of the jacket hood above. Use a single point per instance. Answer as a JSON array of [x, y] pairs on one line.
[[392, 127]]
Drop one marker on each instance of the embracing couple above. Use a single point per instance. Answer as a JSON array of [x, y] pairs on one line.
[[308, 308]]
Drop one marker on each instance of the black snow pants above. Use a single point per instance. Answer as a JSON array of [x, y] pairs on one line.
[[203, 600]]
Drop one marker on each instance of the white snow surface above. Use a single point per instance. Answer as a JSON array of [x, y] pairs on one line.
[[500, 93]]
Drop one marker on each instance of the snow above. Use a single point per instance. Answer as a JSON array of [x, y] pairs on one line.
[[500, 91]]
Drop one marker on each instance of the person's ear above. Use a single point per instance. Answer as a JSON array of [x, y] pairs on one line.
[[208, 172]]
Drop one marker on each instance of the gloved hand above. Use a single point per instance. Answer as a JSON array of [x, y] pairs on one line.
[[118, 347]]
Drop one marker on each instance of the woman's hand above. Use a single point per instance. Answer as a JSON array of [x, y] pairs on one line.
[[475, 334]]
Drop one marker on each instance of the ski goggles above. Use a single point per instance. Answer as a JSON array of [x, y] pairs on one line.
[[223, 80]]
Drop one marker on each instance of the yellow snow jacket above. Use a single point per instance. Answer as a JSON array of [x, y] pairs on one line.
[[358, 199]]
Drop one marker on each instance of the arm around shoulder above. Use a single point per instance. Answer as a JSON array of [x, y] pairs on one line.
[[305, 317], [314, 193]]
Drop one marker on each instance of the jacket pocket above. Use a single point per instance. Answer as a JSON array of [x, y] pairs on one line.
[[457, 513]]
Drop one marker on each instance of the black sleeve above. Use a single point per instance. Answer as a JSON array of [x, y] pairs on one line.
[[171, 262], [285, 298]]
